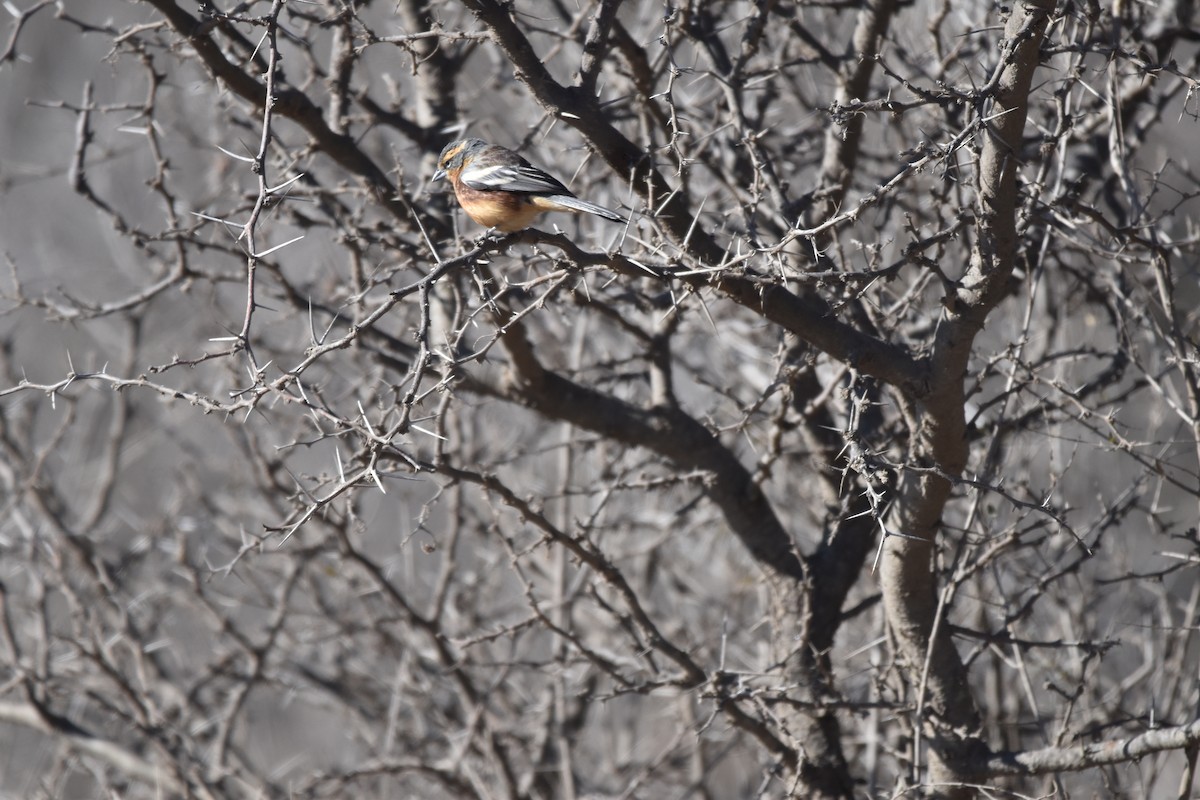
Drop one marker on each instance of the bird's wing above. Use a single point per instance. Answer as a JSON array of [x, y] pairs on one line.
[[511, 178]]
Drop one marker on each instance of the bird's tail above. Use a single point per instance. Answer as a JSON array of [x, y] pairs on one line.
[[575, 204]]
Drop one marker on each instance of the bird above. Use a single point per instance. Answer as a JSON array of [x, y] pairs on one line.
[[499, 189]]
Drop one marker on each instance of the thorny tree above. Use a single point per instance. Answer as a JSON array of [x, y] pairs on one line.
[[861, 463]]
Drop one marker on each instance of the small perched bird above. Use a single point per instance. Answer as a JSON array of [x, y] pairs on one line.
[[499, 189]]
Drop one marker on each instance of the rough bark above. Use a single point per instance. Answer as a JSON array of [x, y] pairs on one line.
[[938, 455]]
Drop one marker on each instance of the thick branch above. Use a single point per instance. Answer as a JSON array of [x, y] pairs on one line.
[[676, 435], [805, 317], [290, 102], [907, 575], [1086, 756], [843, 141], [121, 759], [668, 431]]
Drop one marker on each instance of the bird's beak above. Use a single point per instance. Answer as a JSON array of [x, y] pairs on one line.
[[437, 176]]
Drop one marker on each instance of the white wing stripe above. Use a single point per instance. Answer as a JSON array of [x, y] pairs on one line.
[[484, 175]]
